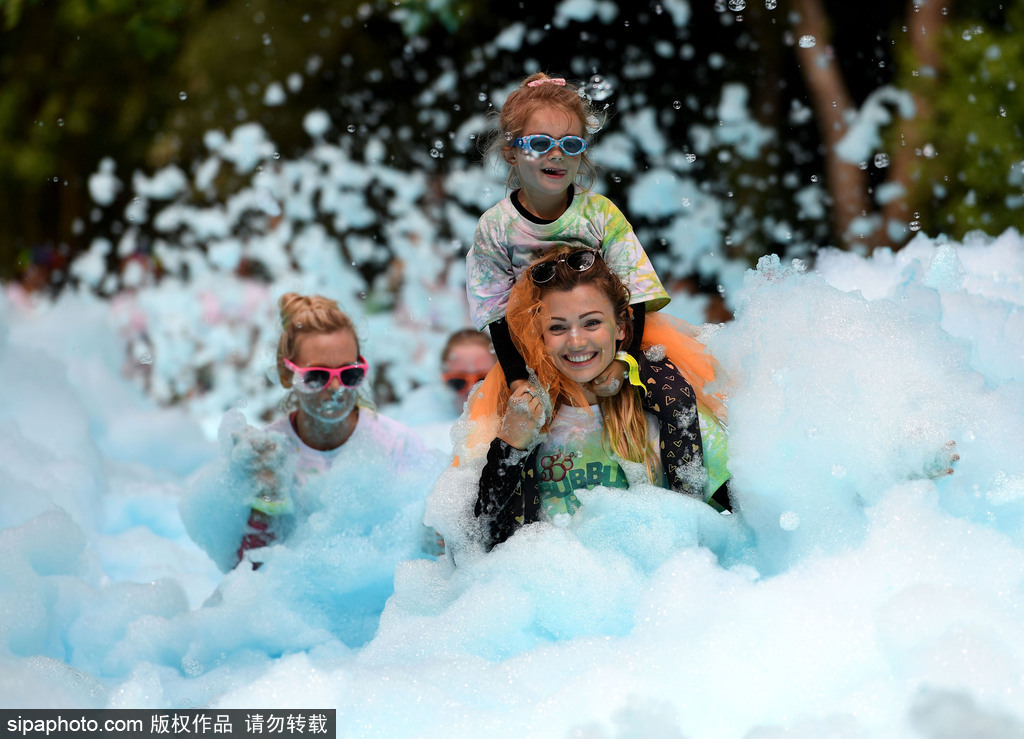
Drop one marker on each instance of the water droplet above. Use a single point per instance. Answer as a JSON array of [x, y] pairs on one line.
[[435, 153], [690, 157], [482, 97], [350, 128], [363, 295], [277, 155], [1002, 112], [686, 202], [146, 358], [807, 41], [737, 6], [771, 4], [881, 160], [789, 521], [915, 226], [182, 95], [967, 35], [266, 39], [599, 88], [814, 178], [676, 104], [60, 121]]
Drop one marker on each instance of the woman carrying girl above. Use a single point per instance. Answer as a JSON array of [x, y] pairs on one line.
[[547, 124], [568, 325]]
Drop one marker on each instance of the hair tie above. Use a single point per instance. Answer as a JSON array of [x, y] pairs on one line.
[[553, 80]]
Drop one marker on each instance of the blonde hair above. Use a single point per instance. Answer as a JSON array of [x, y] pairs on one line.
[[307, 314], [625, 424], [534, 93]]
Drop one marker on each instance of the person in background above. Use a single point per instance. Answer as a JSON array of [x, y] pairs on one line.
[[433, 407], [466, 359]]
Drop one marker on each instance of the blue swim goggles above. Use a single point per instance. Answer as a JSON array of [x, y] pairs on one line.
[[541, 143]]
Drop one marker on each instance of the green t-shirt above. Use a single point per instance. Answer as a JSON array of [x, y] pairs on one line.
[[573, 457]]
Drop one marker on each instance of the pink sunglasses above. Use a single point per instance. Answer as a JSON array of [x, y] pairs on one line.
[[315, 379]]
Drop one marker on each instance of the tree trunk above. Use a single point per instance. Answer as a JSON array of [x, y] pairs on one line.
[[847, 182], [925, 23]]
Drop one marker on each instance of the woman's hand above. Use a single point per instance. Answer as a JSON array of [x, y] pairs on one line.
[[942, 465], [523, 418], [609, 382], [261, 455], [517, 384]]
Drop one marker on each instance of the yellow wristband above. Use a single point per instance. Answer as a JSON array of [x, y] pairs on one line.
[[634, 369]]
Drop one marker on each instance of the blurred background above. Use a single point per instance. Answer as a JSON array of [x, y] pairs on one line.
[[237, 148]]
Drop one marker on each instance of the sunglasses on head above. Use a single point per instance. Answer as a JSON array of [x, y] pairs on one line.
[[315, 379], [541, 143], [579, 261], [459, 381]]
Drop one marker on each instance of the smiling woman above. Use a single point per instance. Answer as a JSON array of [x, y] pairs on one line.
[[568, 316]]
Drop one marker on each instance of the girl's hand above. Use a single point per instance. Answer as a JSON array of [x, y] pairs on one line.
[[609, 382], [523, 418]]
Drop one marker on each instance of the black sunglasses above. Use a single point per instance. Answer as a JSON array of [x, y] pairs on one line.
[[579, 261]]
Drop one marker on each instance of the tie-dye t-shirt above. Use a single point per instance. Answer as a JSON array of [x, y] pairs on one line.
[[572, 457], [506, 243]]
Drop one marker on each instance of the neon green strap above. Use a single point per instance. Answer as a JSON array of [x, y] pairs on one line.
[[634, 369], [272, 504]]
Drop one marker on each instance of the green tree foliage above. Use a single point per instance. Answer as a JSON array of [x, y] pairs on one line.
[[80, 79], [970, 170]]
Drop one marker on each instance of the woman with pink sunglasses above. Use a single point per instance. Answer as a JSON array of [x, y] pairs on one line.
[[330, 422]]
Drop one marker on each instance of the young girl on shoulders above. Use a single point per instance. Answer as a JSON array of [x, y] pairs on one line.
[[546, 127]]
